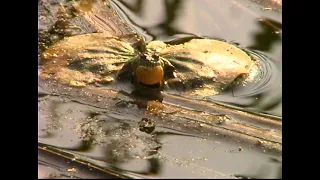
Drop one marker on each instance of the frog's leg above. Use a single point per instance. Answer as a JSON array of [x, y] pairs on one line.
[[169, 69], [171, 72], [162, 83], [174, 79], [139, 44], [125, 72]]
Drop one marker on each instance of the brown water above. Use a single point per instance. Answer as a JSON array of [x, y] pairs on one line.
[[106, 134], [241, 22]]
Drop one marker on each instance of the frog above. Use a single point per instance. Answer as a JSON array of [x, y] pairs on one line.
[[201, 65]]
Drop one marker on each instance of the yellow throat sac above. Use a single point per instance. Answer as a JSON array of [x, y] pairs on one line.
[[149, 75]]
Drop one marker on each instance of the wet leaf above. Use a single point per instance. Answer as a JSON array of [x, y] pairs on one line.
[[84, 59], [202, 61]]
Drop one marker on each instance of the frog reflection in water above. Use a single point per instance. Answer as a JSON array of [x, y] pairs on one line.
[[198, 67]]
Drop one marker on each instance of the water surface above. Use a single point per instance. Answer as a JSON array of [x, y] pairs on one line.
[[105, 133]]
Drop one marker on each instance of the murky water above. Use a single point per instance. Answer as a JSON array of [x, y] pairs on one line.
[[246, 23], [104, 132]]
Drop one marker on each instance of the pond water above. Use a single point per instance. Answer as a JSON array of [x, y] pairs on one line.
[[104, 133], [246, 23]]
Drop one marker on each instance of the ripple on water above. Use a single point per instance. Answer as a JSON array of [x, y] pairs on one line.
[[261, 91]]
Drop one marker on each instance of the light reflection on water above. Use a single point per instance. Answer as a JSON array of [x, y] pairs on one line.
[[118, 145], [113, 140], [261, 34]]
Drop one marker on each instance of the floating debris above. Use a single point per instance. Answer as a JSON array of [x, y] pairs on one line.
[[72, 170], [146, 125]]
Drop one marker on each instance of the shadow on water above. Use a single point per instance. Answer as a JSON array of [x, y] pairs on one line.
[[119, 140], [262, 171], [154, 168], [115, 140], [135, 7], [172, 9], [171, 13], [113, 137], [264, 32], [267, 36]]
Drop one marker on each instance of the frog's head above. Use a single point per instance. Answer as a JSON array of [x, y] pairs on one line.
[[149, 70]]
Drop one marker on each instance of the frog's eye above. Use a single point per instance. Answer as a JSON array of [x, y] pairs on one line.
[[155, 57], [140, 45], [149, 75]]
